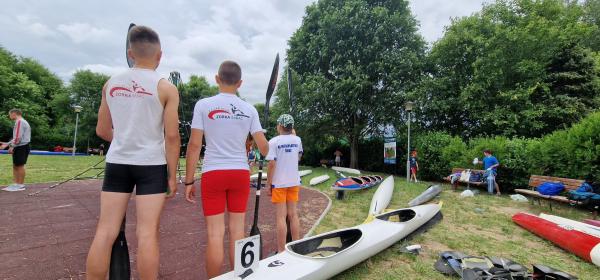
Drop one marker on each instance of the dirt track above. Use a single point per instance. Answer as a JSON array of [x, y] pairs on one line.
[[47, 236]]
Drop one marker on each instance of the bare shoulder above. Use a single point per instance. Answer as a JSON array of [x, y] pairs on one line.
[[164, 86]]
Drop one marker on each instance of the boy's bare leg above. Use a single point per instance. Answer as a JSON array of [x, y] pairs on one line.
[[215, 227], [236, 232], [292, 213], [112, 210], [281, 225], [148, 209]]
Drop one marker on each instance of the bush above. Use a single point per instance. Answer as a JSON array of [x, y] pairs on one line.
[[438, 152]]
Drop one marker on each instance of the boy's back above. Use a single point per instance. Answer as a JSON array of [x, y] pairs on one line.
[[285, 150]]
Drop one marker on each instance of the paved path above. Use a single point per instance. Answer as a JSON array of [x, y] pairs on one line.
[[47, 236]]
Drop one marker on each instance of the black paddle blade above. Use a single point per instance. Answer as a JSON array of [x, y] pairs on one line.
[[290, 89], [119, 259], [271, 88], [130, 61]]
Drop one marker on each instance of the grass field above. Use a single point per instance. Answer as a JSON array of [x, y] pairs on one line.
[[479, 226]]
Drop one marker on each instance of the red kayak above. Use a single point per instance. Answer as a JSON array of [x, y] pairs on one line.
[[581, 244], [592, 222]]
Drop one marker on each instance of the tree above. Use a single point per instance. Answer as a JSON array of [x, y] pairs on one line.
[[192, 91], [86, 91], [486, 73], [592, 16], [355, 61]]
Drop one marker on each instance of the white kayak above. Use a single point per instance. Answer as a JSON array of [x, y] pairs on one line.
[[381, 198], [318, 180], [583, 227], [304, 172], [426, 195], [346, 170], [254, 177], [326, 255]]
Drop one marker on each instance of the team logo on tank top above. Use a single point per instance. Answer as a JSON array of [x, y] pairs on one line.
[[221, 113], [133, 91]]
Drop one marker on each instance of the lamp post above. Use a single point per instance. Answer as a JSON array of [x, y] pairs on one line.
[[408, 106], [77, 110]]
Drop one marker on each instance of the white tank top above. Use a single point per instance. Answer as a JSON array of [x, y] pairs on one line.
[[137, 118]]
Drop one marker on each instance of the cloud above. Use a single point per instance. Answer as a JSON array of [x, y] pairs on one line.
[[196, 35], [83, 32], [31, 25]]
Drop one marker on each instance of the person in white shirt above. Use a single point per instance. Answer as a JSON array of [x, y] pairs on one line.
[[224, 120], [138, 115], [283, 178]]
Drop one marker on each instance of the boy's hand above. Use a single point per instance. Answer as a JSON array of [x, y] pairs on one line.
[[172, 188], [10, 150], [190, 193], [269, 189]]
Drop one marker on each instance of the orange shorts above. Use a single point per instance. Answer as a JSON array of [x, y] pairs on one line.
[[282, 195]]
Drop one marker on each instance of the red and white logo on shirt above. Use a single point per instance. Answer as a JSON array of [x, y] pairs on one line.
[[222, 113], [134, 91]]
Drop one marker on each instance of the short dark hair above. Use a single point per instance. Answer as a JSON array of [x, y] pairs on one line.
[[230, 72], [287, 129], [487, 151], [16, 111], [140, 37]]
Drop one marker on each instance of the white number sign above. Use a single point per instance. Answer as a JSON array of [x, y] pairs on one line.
[[247, 255]]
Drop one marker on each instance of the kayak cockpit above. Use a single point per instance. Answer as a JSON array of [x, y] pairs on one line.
[[327, 245], [357, 180], [398, 216]]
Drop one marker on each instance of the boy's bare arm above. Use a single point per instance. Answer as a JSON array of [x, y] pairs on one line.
[[172, 138]]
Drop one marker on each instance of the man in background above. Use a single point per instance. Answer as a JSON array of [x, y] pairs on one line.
[[18, 146]]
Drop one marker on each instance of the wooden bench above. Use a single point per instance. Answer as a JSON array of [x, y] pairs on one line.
[[460, 170], [536, 180]]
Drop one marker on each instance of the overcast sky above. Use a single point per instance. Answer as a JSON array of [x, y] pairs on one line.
[[196, 35]]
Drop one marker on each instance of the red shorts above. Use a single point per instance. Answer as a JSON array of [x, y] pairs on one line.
[[221, 187], [413, 170]]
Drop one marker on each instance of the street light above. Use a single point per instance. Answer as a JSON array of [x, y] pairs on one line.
[[408, 106], [77, 110]]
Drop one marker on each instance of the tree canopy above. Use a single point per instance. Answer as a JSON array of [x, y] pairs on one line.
[[355, 61]]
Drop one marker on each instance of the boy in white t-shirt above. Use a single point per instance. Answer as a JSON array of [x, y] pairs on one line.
[[285, 151], [224, 121]]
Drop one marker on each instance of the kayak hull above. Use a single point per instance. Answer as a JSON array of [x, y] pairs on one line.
[[583, 227], [425, 196], [356, 244], [350, 184], [346, 170], [583, 245], [318, 180], [304, 172], [382, 197]]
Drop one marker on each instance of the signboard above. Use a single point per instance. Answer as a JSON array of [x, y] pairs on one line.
[[247, 256], [389, 145]]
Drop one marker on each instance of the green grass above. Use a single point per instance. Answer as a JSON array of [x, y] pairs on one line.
[[41, 169], [480, 225]]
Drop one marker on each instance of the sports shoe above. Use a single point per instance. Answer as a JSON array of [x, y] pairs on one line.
[[21, 187], [13, 188]]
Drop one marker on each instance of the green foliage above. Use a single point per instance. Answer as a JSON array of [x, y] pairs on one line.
[[354, 61], [437, 153], [86, 91], [570, 153], [490, 71]]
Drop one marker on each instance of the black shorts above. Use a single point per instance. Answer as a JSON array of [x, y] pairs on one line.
[[147, 179], [20, 155]]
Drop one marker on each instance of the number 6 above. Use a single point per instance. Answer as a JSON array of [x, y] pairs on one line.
[[247, 253]]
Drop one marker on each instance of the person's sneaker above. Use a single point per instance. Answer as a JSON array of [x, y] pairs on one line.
[[20, 187], [11, 188]]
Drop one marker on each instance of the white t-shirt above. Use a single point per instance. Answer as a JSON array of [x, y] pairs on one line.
[[285, 150], [226, 121]]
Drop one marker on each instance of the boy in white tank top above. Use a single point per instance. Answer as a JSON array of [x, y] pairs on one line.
[[225, 121], [138, 114]]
